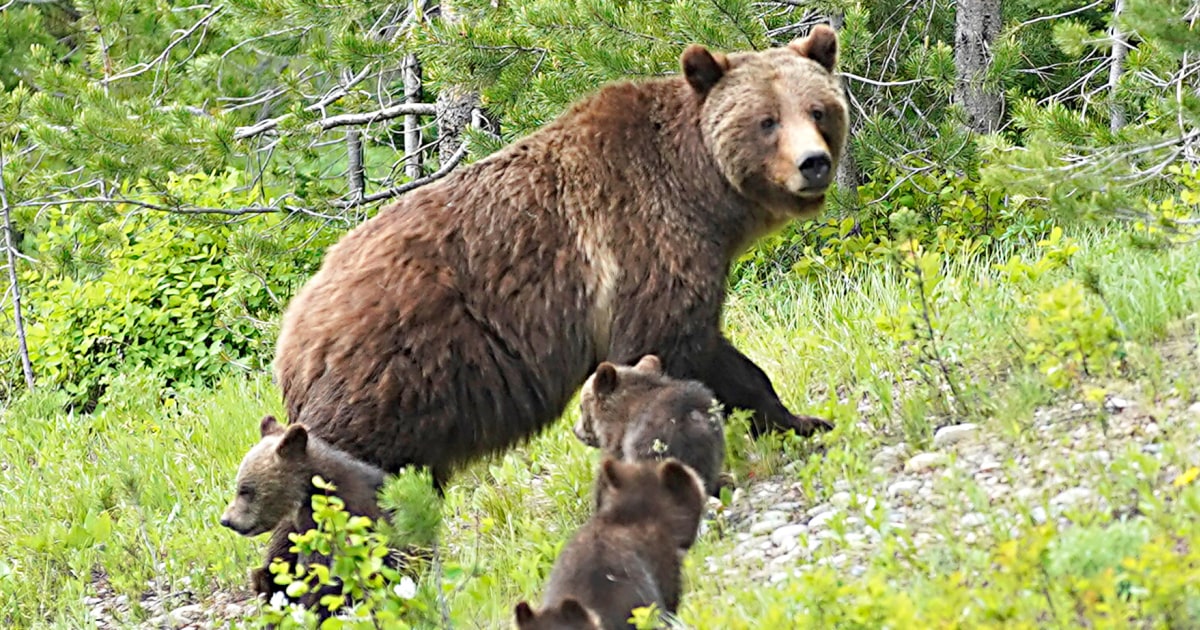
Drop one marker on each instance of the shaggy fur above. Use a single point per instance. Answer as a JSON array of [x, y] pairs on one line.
[[630, 553], [568, 615], [460, 321], [638, 413], [275, 490]]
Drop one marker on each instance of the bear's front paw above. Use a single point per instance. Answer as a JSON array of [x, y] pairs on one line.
[[805, 426], [262, 581]]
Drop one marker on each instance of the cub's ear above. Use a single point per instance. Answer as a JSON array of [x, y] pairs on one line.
[[294, 443], [269, 426], [679, 480], [649, 363], [604, 382], [821, 46], [573, 611], [703, 68], [610, 473], [524, 613]]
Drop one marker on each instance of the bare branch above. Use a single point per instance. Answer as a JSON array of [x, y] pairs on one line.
[[1043, 18], [387, 113], [443, 171], [143, 67], [10, 247], [855, 77], [263, 126], [153, 206]]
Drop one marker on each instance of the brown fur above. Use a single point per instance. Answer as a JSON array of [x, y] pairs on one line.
[[567, 615], [639, 413], [462, 319], [275, 490], [630, 553]]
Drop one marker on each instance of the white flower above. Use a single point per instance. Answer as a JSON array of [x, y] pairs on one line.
[[298, 614], [278, 600], [406, 589]]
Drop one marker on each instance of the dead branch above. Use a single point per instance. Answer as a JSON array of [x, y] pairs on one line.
[[137, 69], [395, 191], [387, 113], [10, 247]]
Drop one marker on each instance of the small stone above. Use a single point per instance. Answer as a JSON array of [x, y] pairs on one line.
[[925, 461], [768, 521], [778, 577], [1071, 496], [1116, 404], [787, 535], [787, 506], [854, 539], [970, 538], [974, 519], [1194, 409], [185, 614], [890, 456], [989, 465], [1038, 514], [840, 499], [1151, 430], [953, 434], [817, 509], [820, 520], [903, 487]]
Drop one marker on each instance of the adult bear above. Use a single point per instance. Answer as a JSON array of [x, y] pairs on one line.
[[460, 320]]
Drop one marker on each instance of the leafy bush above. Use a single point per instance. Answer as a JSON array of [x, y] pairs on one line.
[[188, 296]]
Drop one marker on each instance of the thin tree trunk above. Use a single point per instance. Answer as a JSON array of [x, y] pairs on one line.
[[1115, 68], [354, 160], [848, 177], [10, 248], [412, 124], [455, 105], [977, 24]]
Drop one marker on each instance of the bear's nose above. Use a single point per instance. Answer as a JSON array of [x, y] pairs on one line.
[[815, 167], [225, 522]]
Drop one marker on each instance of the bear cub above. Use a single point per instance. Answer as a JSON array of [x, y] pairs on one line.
[[275, 490], [639, 413], [568, 615], [630, 553]]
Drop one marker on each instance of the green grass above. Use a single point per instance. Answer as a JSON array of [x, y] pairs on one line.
[[129, 496]]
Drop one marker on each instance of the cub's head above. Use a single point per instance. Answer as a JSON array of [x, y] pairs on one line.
[[668, 495], [609, 397], [272, 481], [775, 121], [567, 615]]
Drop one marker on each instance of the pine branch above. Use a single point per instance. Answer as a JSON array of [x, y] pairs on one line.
[[143, 67], [403, 188]]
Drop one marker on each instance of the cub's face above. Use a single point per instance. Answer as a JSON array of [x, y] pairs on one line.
[[567, 615], [774, 120], [607, 396], [271, 480]]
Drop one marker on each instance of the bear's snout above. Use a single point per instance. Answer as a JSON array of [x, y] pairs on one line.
[[816, 167]]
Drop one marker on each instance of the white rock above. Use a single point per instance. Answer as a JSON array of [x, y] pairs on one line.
[[1071, 496], [821, 520], [974, 519], [787, 506], [1116, 403], [788, 534], [817, 509], [854, 539], [840, 499], [989, 465], [953, 434], [768, 521], [925, 461], [904, 487], [1038, 514], [1194, 408]]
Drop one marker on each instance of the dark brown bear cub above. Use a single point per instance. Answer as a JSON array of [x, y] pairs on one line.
[[630, 553], [568, 615], [461, 320], [638, 413], [275, 490]]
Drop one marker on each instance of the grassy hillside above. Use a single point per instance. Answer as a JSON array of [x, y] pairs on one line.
[[1070, 503]]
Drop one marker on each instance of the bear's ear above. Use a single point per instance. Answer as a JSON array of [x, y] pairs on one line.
[[821, 46], [610, 473], [294, 442], [649, 363], [269, 426], [524, 612], [573, 611], [604, 382], [678, 479], [703, 68]]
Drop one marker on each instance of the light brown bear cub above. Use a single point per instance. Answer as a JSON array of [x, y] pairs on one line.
[[639, 413], [630, 553], [275, 490]]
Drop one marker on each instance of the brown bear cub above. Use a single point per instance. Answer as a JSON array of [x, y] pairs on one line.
[[639, 413], [462, 319], [275, 490], [568, 615], [630, 553]]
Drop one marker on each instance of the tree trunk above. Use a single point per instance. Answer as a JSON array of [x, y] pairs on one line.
[[454, 113], [354, 160], [1115, 67], [412, 123], [977, 24], [10, 249]]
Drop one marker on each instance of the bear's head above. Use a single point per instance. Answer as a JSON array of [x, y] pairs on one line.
[[667, 495], [567, 615], [272, 481], [774, 121], [608, 396]]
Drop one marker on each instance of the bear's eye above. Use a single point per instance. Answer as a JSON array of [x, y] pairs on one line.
[[768, 124], [818, 114], [246, 492]]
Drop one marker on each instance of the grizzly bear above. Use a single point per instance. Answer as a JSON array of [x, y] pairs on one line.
[[568, 615], [275, 490], [639, 413], [630, 552], [462, 319]]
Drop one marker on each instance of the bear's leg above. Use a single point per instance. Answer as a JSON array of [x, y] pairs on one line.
[[739, 383], [261, 579]]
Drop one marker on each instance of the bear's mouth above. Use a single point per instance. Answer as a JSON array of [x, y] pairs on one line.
[[812, 192]]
